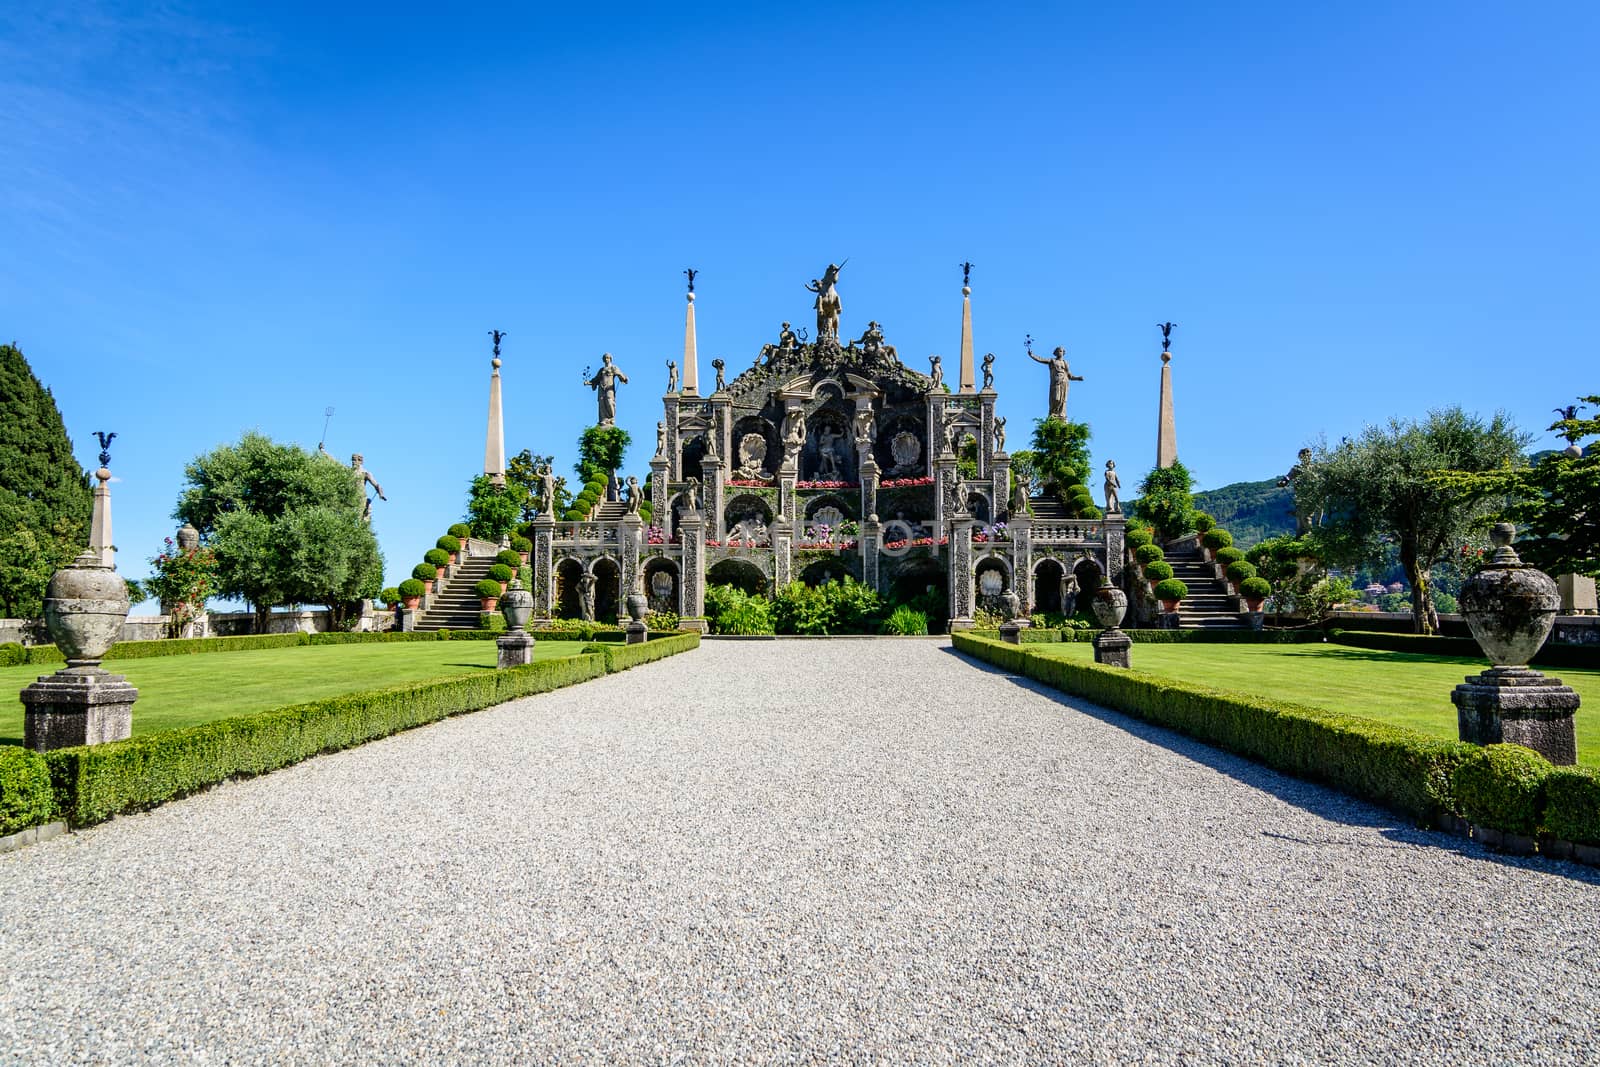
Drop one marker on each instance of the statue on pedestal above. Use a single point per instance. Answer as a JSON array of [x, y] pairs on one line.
[[1113, 488], [794, 438], [1000, 433], [604, 384], [635, 497], [365, 478], [1061, 379], [864, 431], [586, 586], [661, 438], [988, 370], [827, 302], [721, 382], [672, 376], [935, 372], [828, 440], [547, 493]]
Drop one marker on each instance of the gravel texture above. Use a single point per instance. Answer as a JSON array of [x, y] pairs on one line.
[[792, 850]]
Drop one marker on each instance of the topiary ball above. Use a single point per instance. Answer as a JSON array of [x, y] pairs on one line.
[[1257, 588], [436, 556], [1137, 536], [1215, 539], [1171, 589], [1148, 553], [510, 557], [1203, 522], [501, 573], [425, 572], [1158, 571], [521, 544], [410, 588], [487, 587], [1239, 570], [1226, 556], [461, 530]]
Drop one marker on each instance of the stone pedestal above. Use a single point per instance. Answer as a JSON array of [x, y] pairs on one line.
[[1111, 647], [1518, 705], [637, 632], [1577, 594], [1256, 619], [407, 618], [1011, 632], [1168, 620], [77, 706], [513, 650]]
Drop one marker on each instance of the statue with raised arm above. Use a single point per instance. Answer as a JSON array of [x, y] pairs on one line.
[[1000, 433], [1019, 495], [959, 493], [827, 303], [672, 376], [794, 438], [604, 384], [586, 586], [722, 382], [365, 478], [935, 372], [988, 370], [1113, 488], [1061, 379], [828, 440]]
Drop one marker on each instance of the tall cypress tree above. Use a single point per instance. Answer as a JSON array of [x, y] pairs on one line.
[[45, 498]]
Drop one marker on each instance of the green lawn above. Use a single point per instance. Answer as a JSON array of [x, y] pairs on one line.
[[1395, 687], [177, 691]]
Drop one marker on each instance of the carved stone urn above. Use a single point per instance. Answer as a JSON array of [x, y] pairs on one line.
[[638, 606], [1109, 605], [1509, 606], [85, 605], [517, 606]]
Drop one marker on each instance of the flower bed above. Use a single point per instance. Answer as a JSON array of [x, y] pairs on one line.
[[904, 483], [916, 542], [827, 485], [751, 483]]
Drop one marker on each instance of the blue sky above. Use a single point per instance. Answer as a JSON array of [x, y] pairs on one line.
[[230, 217]]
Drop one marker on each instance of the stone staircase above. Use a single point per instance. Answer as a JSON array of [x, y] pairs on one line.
[[1209, 605], [1049, 509], [454, 605], [610, 511]]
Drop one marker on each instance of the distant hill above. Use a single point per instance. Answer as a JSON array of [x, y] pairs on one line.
[[1251, 511]]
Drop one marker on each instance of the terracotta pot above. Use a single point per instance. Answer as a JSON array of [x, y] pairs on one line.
[[427, 585], [453, 558], [526, 556], [1169, 605], [440, 575], [411, 602], [1254, 605], [487, 603], [503, 586]]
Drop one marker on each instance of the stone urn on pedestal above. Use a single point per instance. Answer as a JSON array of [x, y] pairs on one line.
[[515, 647], [638, 605], [1111, 645], [1511, 608], [85, 605], [1011, 607]]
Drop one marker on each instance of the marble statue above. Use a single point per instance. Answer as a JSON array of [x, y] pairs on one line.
[[828, 453], [635, 497], [1000, 433], [935, 372], [1302, 521], [672, 376], [1019, 495], [959, 492], [586, 586], [547, 493], [794, 438], [827, 303], [721, 382], [787, 341], [604, 384], [1113, 488], [661, 438], [1061, 379], [864, 430], [365, 478], [988, 370]]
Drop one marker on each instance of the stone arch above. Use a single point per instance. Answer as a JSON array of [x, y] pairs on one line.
[[772, 453], [847, 505], [569, 571], [607, 589], [825, 570], [1090, 576], [978, 505], [922, 581], [743, 506], [1049, 586], [842, 450], [691, 451], [739, 573], [991, 580], [663, 585]]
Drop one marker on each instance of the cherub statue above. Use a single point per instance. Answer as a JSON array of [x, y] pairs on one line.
[[635, 497], [864, 429], [1113, 488], [1000, 433], [988, 370], [721, 382], [672, 376], [661, 438], [935, 372]]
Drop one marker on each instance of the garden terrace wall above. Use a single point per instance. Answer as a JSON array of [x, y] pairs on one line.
[[1551, 655], [1398, 768], [1048, 635]]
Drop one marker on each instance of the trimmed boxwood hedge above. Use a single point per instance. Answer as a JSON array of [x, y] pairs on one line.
[[12, 654], [1226, 556], [182, 646], [1217, 538], [1502, 786], [1045, 635], [26, 798], [619, 657], [1551, 655], [1239, 570], [1137, 536], [1572, 804]]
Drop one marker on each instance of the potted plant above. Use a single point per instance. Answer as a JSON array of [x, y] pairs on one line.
[[1169, 592], [1147, 554], [488, 591], [449, 544], [1203, 522], [1238, 571], [1225, 558], [502, 575], [411, 591], [1157, 572], [425, 573], [390, 596], [510, 557], [1216, 539], [439, 558], [461, 531], [522, 546], [1255, 591]]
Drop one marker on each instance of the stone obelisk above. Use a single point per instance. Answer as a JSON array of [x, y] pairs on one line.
[[969, 379], [691, 363], [494, 447], [1166, 428], [100, 542]]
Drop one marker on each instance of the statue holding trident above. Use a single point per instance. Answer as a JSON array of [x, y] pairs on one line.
[[604, 384], [364, 478], [1061, 379], [827, 302]]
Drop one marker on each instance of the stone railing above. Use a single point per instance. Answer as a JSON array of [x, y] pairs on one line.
[[584, 533], [1071, 532]]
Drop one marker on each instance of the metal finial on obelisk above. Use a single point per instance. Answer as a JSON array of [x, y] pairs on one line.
[[100, 542], [494, 447], [691, 361], [1166, 424], [969, 379]]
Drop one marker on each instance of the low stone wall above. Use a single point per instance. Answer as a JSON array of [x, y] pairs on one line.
[[218, 624]]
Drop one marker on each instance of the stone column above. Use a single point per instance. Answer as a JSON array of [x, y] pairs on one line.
[[630, 536], [674, 453], [543, 562], [1000, 483], [871, 541], [494, 447], [1116, 528], [721, 405], [100, 521], [711, 472], [692, 534], [788, 497], [1021, 530], [1166, 423], [660, 493], [869, 487], [782, 533], [969, 376], [985, 432], [942, 469], [934, 443], [691, 362], [961, 572]]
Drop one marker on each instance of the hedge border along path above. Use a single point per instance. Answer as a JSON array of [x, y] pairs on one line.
[[91, 783], [1389, 765]]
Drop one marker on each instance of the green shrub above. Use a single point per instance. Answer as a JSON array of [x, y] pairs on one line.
[[1215, 539], [521, 544], [411, 587], [26, 798], [510, 557], [1091, 512], [1502, 786], [620, 657], [436, 557], [1389, 765], [1584, 657], [379, 638], [575, 513], [561, 629], [12, 654], [1229, 555], [1572, 804], [461, 530], [1256, 588], [448, 543], [1239, 570], [389, 595], [1137, 536], [424, 572], [95, 782], [487, 587], [1148, 553], [1203, 522], [733, 611], [501, 573], [491, 622], [1171, 589], [1159, 571], [187, 646], [906, 621]]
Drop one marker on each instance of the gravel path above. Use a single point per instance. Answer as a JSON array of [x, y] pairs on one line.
[[795, 851]]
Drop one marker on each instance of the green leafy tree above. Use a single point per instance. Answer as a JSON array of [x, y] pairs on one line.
[[525, 469], [600, 451], [1397, 484], [183, 580], [1060, 454], [45, 498], [286, 527], [1559, 500], [1166, 500], [493, 510]]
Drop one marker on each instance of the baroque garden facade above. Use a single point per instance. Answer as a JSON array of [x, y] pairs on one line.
[[825, 459]]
